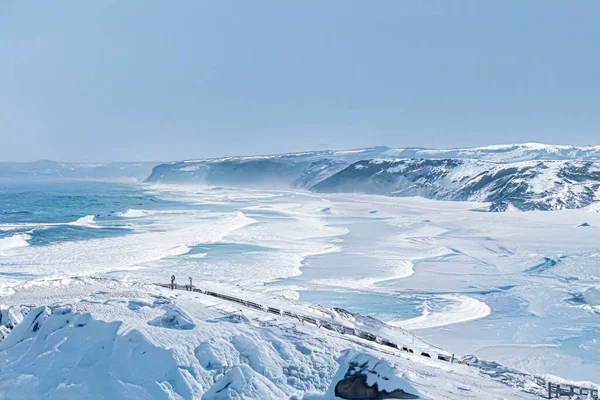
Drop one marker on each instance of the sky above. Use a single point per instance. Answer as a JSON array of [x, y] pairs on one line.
[[168, 80]]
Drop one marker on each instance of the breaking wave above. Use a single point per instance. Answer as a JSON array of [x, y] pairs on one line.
[[132, 213], [14, 242], [88, 221]]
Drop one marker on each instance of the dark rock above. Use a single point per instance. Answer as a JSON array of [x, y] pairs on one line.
[[355, 387]]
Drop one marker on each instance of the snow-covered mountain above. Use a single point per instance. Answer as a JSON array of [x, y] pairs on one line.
[[506, 153], [524, 176], [528, 185], [53, 170], [282, 170]]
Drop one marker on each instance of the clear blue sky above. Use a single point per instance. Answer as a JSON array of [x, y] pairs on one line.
[[167, 80]]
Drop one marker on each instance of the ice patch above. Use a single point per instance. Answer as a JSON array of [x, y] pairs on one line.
[[462, 309], [399, 269], [197, 255]]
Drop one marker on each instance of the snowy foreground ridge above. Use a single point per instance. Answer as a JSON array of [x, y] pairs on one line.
[[92, 338], [524, 176]]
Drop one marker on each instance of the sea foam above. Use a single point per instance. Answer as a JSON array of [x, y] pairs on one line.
[[14, 242]]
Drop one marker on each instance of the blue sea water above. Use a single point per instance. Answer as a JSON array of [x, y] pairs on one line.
[[47, 211]]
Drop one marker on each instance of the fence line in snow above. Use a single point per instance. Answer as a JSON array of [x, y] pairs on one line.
[[554, 390], [319, 323]]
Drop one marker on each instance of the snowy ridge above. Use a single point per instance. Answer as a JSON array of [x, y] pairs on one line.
[[517, 152], [538, 176], [343, 322], [124, 340], [283, 170], [528, 185], [363, 371]]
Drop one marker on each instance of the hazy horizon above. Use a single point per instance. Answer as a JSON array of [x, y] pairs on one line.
[[130, 81], [295, 152]]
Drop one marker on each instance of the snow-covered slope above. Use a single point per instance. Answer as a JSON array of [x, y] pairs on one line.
[[522, 176], [507, 153], [85, 338], [283, 170], [529, 185], [52, 170]]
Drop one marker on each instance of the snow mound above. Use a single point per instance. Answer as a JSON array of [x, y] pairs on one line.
[[173, 319], [11, 317], [55, 354], [242, 382]]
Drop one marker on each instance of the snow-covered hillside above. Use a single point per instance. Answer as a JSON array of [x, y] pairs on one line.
[[283, 170], [508, 152], [86, 338], [524, 176], [529, 185]]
